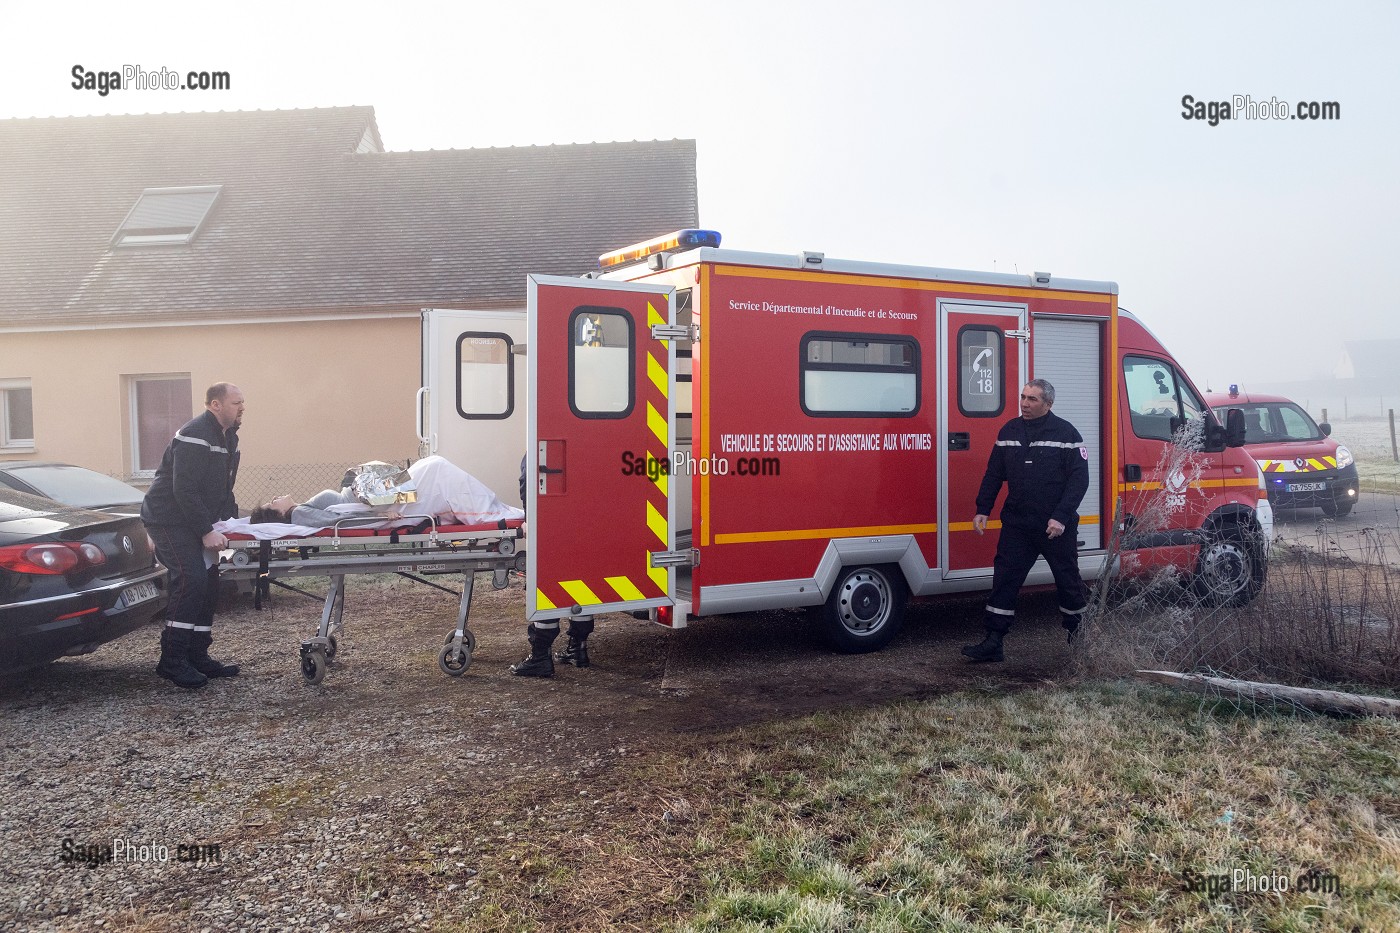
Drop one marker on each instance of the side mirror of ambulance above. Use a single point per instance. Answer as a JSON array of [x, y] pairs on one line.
[[1234, 428], [1325, 428]]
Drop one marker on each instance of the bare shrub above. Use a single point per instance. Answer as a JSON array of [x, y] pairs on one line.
[[1321, 616]]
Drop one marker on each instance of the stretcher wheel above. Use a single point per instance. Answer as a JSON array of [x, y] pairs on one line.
[[467, 636], [332, 646], [313, 667], [454, 661]]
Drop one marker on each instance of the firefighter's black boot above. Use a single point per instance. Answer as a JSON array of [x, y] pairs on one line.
[[539, 663], [175, 663], [988, 650], [1071, 624], [200, 660], [577, 651]]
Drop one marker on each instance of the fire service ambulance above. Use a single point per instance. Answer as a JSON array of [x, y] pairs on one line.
[[714, 431], [1302, 465]]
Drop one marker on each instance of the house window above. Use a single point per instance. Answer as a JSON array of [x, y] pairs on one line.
[[859, 374], [16, 414], [160, 406], [166, 216]]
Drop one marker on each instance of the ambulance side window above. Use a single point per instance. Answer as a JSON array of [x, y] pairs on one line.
[[980, 371], [845, 375], [1156, 397], [601, 362], [485, 376]]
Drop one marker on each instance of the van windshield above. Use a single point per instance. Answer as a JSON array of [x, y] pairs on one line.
[[1274, 422]]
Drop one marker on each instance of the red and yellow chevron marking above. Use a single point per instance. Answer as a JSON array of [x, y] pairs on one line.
[[655, 391], [1310, 465]]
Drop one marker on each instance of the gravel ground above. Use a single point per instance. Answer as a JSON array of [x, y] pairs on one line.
[[388, 796]]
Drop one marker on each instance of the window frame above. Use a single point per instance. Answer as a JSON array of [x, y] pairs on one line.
[[1000, 349], [15, 444], [164, 236], [631, 364], [510, 376], [804, 366], [134, 415]]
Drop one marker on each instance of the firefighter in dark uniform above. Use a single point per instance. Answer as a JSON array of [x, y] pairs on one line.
[[1043, 462], [192, 490]]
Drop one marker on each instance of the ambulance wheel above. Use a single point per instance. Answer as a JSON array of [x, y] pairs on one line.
[[1335, 509], [454, 661], [865, 609], [313, 667], [1231, 572], [467, 637]]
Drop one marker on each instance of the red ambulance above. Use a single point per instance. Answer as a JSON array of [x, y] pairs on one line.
[[716, 431]]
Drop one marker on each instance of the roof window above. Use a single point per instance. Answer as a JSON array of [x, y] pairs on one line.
[[166, 216]]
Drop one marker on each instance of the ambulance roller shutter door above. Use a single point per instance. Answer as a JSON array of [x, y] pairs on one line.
[[1067, 353]]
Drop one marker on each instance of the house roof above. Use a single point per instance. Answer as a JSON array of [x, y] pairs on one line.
[[311, 215]]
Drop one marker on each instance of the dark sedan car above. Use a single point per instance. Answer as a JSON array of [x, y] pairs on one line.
[[73, 485], [71, 579]]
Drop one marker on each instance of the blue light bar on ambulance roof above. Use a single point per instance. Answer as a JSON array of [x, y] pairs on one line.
[[668, 243]]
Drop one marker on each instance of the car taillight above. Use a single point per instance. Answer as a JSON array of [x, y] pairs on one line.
[[51, 558]]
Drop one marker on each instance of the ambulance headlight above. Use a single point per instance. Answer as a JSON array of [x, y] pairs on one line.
[[1344, 457]]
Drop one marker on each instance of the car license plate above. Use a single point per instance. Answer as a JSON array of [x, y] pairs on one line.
[[1305, 487], [138, 594]]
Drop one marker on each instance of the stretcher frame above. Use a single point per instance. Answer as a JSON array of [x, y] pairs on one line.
[[338, 552]]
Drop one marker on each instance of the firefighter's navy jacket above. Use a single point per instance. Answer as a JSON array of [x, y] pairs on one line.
[[193, 488], [1046, 470]]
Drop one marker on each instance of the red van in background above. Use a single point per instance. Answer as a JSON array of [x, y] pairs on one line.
[[1303, 466]]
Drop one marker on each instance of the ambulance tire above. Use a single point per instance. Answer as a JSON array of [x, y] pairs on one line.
[[1231, 570], [865, 609]]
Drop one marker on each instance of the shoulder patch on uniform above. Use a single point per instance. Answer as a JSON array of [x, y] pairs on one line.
[[1084, 452]]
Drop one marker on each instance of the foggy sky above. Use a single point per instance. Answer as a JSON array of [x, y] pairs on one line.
[[1007, 136]]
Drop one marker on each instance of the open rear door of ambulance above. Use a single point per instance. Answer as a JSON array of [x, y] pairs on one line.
[[601, 426]]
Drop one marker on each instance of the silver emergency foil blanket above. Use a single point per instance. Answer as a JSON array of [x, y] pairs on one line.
[[380, 483]]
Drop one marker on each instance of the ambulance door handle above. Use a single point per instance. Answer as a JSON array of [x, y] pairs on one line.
[[959, 440], [547, 469]]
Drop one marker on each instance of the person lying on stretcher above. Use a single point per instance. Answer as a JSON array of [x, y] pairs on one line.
[[443, 491]]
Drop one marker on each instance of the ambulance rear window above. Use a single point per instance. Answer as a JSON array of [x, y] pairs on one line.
[[846, 375], [600, 362]]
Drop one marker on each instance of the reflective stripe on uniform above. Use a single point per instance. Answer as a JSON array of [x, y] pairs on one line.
[[1001, 612], [199, 440], [186, 625]]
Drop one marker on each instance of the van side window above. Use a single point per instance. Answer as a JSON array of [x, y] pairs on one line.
[[980, 371], [485, 376], [601, 363], [1156, 395], [859, 374]]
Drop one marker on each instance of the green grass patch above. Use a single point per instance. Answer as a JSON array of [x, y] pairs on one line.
[[1090, 808]]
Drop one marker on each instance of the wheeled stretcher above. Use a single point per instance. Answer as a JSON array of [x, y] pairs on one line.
[[425, 548]]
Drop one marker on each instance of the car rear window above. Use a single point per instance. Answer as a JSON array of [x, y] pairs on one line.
[[78, 486]]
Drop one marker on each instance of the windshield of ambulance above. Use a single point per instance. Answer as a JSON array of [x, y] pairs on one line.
[[1274, 423]]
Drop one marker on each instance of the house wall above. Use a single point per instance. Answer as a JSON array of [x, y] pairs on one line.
[[321, 395]]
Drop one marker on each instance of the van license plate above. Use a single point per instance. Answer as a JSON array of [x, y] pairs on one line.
[[1306, 487], [139, 593]]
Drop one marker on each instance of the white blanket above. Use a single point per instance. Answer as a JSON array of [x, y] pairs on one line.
[[450, 494]]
